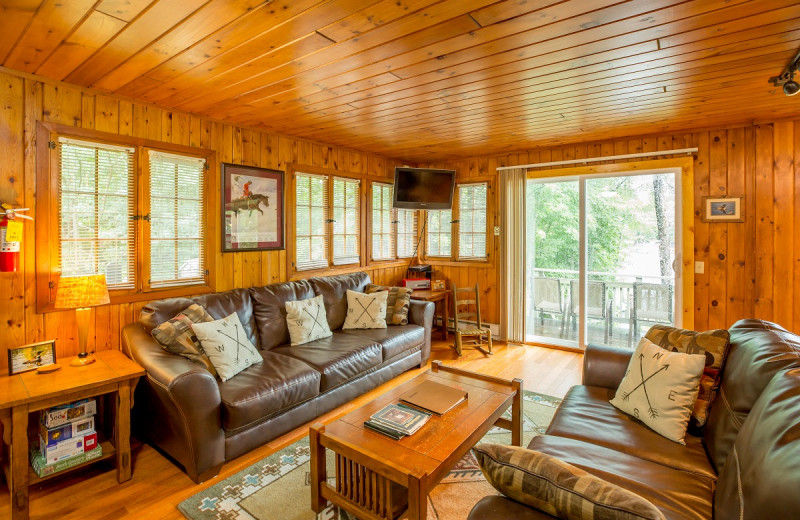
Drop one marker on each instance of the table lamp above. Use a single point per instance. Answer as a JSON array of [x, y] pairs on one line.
[[81, 293]]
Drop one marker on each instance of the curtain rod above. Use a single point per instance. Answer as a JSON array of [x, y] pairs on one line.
[[597, 159]]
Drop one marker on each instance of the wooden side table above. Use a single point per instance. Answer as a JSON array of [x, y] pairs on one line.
[[113, 373], [440, 299]]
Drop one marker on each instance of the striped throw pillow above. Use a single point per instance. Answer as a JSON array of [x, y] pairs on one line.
[[397, 303]]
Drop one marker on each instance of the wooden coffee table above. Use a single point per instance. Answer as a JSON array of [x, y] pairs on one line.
[[379, 478]]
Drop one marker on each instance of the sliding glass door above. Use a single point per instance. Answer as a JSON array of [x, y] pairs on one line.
[[600, 255]]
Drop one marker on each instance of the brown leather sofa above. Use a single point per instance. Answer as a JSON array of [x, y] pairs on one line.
[[745, 464], [201, 422]]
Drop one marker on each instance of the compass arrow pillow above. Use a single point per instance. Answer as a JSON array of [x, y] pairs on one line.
[[307, 320], [226, 345], [660, 388], [365, 311]]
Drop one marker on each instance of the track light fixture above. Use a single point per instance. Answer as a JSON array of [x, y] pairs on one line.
[[786, 79]]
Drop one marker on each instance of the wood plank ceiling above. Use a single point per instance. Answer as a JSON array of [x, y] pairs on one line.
[[422, 79]]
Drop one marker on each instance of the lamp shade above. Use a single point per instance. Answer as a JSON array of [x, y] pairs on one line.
[[76, 292]]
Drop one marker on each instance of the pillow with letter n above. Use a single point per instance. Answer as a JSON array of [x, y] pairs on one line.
[[713, 344], [307, 320], [365, 311], [226, 344], [558, 488], [398, 301], [660, 388]]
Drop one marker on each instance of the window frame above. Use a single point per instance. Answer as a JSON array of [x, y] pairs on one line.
[[491, 215], [48, 269], [395, 260]]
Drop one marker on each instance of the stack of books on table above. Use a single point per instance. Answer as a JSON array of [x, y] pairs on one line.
[[67, 437], [397, 421]]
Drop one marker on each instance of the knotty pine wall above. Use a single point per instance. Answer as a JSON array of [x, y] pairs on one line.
[[24, 101], [752, 269]]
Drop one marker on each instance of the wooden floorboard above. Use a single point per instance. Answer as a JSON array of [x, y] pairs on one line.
[[158, 486]]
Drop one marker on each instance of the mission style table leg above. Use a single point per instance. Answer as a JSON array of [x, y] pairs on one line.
[[19, 463]]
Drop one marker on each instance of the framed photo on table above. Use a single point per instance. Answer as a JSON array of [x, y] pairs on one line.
[[252, 208], [723, 209], [31, 357]]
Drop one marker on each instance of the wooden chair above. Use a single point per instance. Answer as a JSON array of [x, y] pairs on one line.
[[481, 335]]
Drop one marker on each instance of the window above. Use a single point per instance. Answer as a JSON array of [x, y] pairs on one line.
[[406, 233], [383, 240], [472, 221], [177, 211], [440, 231], [143, 236], [326, 234]]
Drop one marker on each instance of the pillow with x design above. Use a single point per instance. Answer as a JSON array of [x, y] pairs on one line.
[[307, 320], [226, 345], [366, 311], [660, 388]]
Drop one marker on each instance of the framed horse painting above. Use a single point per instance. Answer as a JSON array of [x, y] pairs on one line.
[[252, 208]]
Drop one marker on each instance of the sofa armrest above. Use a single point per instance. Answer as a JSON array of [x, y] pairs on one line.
[[421, 313], [177, 406], [605, 366]]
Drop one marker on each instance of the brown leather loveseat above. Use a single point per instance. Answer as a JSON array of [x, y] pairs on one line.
[[744, 465], [201, 422]]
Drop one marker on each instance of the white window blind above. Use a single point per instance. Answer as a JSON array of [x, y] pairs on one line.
[[311, 207], [96, 206], [382, 238], [177, 213], [406, 232], [472, 221], [440, 231], [346, 226]]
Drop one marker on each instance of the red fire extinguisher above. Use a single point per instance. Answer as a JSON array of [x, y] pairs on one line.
[[10, 238]]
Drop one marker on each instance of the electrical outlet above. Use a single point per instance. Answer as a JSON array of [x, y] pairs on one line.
[[497, 231], [699, 267]]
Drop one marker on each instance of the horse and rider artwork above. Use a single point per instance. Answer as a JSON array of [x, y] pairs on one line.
[[253, 208]]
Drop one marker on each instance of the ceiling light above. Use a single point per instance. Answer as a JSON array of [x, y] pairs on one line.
[[786, 78], [791, 87]]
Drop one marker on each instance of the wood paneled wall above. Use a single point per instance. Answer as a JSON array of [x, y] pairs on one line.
[[752, 269], [24, 101]]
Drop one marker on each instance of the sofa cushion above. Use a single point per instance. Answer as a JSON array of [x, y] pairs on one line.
[[759, 350], [277, 383], [586, 415], [218, 305], [677, 494], [713, 344], [339, 358], [269, 310], [761, 478], [334, 292], [394, 340], [563, 490]]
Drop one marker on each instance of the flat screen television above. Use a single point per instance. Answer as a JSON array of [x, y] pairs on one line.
[[423, 188]]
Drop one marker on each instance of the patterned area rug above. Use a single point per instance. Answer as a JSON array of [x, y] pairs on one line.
[[278, 486]]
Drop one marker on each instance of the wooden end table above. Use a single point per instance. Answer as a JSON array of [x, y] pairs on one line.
[[378, 477], [113, 373], [439, 299]]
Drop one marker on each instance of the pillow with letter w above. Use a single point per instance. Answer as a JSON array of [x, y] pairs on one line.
[[307, 320], [366, 311], [660, 388]]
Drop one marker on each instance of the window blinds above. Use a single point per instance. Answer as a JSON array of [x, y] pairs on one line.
[[96, 202], [406, 232], [440, 231], [472, 221], [311, 206], [177, 211], [346, 226], [382, 238]]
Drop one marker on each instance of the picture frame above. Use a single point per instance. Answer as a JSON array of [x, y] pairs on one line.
[[253, 202], [723, 209], [438, 285], [32, 356]]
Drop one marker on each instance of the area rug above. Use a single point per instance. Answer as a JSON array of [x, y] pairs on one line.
[[278, 487]]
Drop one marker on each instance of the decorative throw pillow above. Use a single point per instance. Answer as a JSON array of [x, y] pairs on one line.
[[397, 303], [176, 336], [557, 488], [307, 320], [713, 344], [365, 311], [226, 345], [660, 388]]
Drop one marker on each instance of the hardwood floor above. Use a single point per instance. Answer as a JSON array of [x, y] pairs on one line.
[[158, 486]]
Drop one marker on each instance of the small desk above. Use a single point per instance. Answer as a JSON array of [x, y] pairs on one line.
[[113, 373], [439, 298]]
